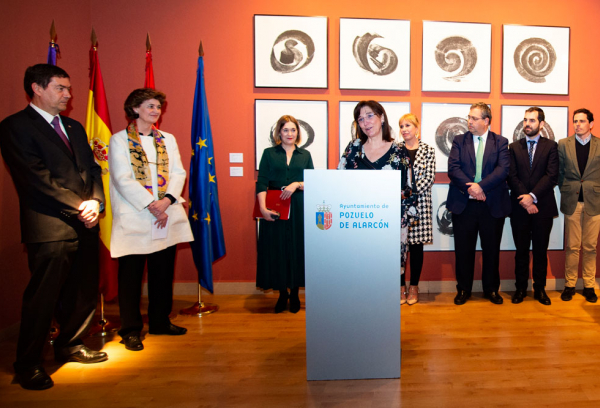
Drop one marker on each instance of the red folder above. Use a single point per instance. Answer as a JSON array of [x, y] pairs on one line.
[[274, 203]]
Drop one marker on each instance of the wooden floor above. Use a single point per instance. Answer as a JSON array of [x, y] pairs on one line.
[[476, 355]]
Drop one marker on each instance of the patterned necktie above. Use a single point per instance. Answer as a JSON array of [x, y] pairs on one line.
[[479, 160], [56, 124], [531, 144]]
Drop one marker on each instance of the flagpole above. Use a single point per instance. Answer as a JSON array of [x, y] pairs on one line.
[[200, 308], [103, 326]]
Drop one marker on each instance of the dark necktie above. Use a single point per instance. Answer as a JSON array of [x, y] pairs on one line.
[[56, 124], [531, 144]]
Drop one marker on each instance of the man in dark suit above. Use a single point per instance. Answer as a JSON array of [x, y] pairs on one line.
[[532, 177], [60, 197], [478, 198]]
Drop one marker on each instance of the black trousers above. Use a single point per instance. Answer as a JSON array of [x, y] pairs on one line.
[[530, 229], [63, 284], [477, 220], [161, 267], [415, 257]]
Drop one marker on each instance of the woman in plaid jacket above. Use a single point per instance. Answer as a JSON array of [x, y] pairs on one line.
[[422, 157]]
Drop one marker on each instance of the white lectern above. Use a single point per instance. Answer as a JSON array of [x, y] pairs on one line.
[[352, 246]]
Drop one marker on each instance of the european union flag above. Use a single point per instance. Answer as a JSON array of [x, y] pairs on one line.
[[205, 215]]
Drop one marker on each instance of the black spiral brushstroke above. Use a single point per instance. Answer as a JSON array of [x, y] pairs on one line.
[[535, 58], [456, 55], [292, 59], [307, 132], [384, 60], [546, 132], [445, 132], [444, 220]]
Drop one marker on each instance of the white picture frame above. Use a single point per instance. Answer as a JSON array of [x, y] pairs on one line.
[[374, 54], [290, 52], [535, 59], [457, 57], [313, 119]]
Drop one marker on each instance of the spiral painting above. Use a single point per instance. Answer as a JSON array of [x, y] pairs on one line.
[[373, 57], [535, 58], [444, 220], [445, 132], [456, 55], [307, 134], [292, 51], [546, 132]]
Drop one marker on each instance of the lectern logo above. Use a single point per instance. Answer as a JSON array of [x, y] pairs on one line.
[[324, 217]]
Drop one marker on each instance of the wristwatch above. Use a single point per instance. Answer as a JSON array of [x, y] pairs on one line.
[[101, 204]]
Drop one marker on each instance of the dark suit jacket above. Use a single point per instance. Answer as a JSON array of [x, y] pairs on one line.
[[51, 182], [461, 170], [539, 179]]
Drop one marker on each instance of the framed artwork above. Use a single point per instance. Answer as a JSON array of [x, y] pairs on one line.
[[313, 119], [535, 60], [374, 54], [394, 111], [290, 52], [556, 125], [456, 57], [440, 122], [443, 233]]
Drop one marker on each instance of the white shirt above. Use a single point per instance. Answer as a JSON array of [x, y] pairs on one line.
[[150, 150], [49, 118]]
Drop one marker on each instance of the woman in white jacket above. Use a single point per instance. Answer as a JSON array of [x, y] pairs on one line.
[[146, 181]]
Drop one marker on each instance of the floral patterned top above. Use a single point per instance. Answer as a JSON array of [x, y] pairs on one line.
[[354, 158], [396, 158]]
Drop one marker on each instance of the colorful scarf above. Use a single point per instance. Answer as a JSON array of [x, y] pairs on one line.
[[139, 160]]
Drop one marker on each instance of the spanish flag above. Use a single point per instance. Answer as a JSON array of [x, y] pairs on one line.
[[97, 126]]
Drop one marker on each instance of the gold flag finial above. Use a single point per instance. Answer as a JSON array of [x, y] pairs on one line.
[[94, 38], [148, 43], [201, 50], [52, 32]]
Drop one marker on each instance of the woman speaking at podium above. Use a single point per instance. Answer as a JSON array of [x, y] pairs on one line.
[[374, 149], [280, 263]]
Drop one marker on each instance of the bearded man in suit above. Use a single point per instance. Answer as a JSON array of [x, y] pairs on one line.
[[532, 177], [60, 198], [579, 182]]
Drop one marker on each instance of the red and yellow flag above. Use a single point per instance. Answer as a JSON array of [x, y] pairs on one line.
[[97, 126]]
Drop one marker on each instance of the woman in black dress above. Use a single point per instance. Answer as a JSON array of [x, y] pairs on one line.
[[374, 149], [281, 242]]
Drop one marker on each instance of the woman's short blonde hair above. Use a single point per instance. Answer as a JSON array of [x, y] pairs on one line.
[[411, 118]]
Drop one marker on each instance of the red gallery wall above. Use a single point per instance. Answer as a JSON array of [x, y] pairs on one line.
[[226, 28]]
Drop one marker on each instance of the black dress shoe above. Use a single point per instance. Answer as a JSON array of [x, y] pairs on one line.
[[519, 295], [567, 293], [461, 297], [294, 304], [281, 304], [494, 297], [84, 356], [133, 342], [541, 296], [171, 330], [34, 379], [590, 295]]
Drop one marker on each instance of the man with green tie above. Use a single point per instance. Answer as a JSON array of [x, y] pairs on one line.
[[478, 199]]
